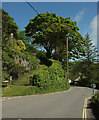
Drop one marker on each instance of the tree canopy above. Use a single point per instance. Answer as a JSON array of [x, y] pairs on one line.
[[16, 59], [8, 26], [50, 31], [91, 51]]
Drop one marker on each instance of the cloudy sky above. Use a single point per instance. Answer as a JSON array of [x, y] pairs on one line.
[[85, 13]]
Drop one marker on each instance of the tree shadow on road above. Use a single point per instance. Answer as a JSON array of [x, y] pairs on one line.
[[93, 106]]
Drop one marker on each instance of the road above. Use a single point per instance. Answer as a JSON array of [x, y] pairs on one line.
[[67, 104]]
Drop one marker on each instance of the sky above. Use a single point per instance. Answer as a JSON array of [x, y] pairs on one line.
[[85, 13]]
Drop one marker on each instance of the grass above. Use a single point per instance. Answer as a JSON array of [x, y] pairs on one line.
[[19, 89], [24, 80], [15, 90]]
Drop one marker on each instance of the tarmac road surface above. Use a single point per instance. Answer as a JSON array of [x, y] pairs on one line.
[[66, 104]]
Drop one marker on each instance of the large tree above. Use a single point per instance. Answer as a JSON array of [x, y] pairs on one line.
[[51, 31], [88, 66], [90, 58], [8, 26], [91, 51], [22, 36]]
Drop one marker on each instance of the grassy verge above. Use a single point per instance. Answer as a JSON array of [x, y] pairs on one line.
[[15, 90], [51, 80]]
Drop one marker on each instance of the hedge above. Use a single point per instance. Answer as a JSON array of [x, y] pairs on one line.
[[51, 77]]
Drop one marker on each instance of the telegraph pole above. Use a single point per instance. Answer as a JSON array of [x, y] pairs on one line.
[[67, 57]]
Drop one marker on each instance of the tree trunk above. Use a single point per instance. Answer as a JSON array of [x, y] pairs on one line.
[[48, 54]]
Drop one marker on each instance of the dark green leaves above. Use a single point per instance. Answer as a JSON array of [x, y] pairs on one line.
[[8, 26], [51, 31]]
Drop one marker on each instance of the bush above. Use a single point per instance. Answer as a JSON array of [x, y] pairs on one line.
[[97, 96], [56, 74], [21, 44], [95, 105], [42, 79], [51, 77]]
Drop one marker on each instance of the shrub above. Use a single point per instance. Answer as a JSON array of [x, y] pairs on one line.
[[21, 44], [51, 77], [42, 79], [95, 105]]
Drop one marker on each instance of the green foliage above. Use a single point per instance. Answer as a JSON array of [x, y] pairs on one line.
[[11, 49], [44, 60], [15, 90], [20, 57], [24, 79], [89, 74], [56, 70], [19, 90], [42, 79], [30, 48], [17, 70], [95, 74], [89, 67], [51, 77], [22, 36], [16, 49], [97, 96], [8, 62], [33, 61], [73, 68], [9, 65], [91, 51], [51, 31], [95, 105], [21, 44], [8, 26]]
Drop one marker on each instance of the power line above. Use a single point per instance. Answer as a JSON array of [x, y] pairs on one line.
[[32, 7]]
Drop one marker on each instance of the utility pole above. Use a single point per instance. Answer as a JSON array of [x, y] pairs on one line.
[[67, 57]]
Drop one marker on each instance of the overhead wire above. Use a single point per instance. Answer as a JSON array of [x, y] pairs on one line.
[[32, 7]]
